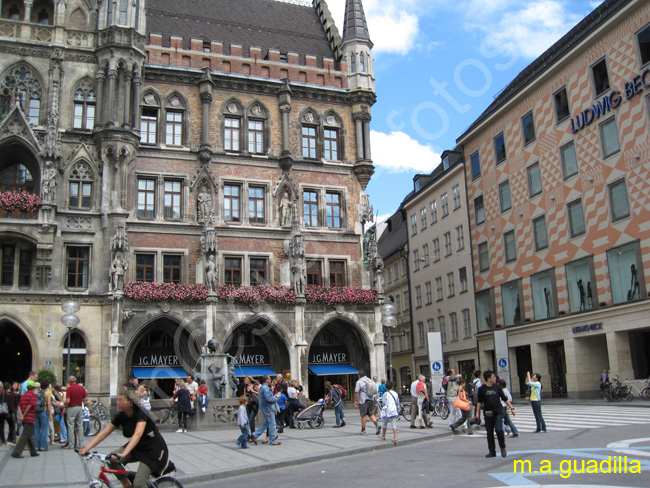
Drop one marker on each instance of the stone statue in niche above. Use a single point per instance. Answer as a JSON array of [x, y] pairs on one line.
[[204, 203], [211, 273], [284, 210], [49, 182], [378, 267], [118, 268]]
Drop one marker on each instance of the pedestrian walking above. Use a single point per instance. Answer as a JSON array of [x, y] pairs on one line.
[[280, 419], [364, 392], [251, 390], [335, 397], [508, 424], [489, 399], [26, 415], [294, 405], [423, 400], [41, 420], [268, 406], [76, 397], [184, 404], [452, 393], [463, 405], [390, 411], [535, 384], [57, 402], [242, 421]]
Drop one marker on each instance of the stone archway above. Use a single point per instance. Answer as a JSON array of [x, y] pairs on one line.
[[16, 352]]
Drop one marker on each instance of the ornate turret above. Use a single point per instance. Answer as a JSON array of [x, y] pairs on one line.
[[357, 46]]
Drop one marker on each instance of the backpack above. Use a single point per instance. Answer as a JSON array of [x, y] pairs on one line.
[[341, 391], [40, 401], [470, 389], [371, 388], [444, 384]]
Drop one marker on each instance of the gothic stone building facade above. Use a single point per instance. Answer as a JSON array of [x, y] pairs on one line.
[[183, 146]]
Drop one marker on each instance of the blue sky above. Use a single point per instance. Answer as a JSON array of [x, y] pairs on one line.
[[438, 65]]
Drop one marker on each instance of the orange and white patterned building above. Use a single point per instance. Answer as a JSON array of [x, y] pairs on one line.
[[558, 185]]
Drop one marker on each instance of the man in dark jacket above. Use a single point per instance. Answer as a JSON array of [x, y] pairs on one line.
[[269, 407], [26, 415], [489, 399]]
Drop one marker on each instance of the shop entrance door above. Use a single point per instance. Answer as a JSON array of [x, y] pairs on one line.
[[556, 368], [524, 363], [15, 353]]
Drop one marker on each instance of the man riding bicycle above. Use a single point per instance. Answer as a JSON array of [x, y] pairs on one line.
[[146, 445]]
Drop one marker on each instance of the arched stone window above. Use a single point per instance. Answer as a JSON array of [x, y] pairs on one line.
[[21, 85], [149, 118], [78, 19], [84, 105], [310, 122], [77, 356], [362, 62], [257, 129], [124, 8], [16, 177], [13, 11], [42, 12], [232, 126], [174, 121], [80, 186], [332, 137]]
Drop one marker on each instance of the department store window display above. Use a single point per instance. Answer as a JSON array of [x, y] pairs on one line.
[[543, 294], [581, 285], [513, 311], [626, 273], [485, 310]]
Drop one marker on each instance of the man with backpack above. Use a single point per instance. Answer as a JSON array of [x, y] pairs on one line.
[[335, 397], [364, 393]]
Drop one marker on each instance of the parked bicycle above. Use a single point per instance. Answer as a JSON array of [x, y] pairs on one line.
[[642, 392], [404, 408], [91, 459], [99, 410], [616, 391], [94, 426], [440, 404]]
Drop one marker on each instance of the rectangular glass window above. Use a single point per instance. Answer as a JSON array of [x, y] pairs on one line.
[[528, 126], [418, 296], [416, 260], [451, 286], [644, 45], [436, 249], [445, 163], [173, 199], [398, 303], [149, 125], [421, 333], [618, 201], [510, 246], [447, 237], [255, 205], [467, 324], [513, 313], [582, 295], [231, 203], [439, 288], [414, 225], [389, 274], [626, 273], [462, 277], [453, 326], [431, 325], [25, 269], [434, 212], [456, 191], [443, 329], [576, 218], [231, 134], [333, 209], [423, 218], [331, 144], [479, 210], [534, 180], [83, 200], [484, 310], [569, 160], [504, 195], [232, 270], [310, 208], [8, 259], [600, 77], [499, 148], [174, 129], [314, 274], [77, 266], [445, 205], [425, 254], [146, 198], [428, 292], [257, 271], [337, 273], [78, 122], [483, 257], [476, 165], [561, 105], [609, 137], [460, 238], [256, 136], [541, 235], [171, 268], [144, 267], [308, 142], [543, 297]]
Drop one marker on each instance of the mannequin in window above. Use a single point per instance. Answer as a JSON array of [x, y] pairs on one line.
[[634, 284], [581, 291], [517, 317], [590, 296], [548, 308], [488, 321]]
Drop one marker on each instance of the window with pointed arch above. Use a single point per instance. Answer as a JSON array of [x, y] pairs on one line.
[[232, 127], [42, 12], [256, 129], [80, 187], [13, 11], [362, 62], [174, 115], [149, 119], [331, 136], [20, 85], [309, 135], [84, 105], [16, 177]]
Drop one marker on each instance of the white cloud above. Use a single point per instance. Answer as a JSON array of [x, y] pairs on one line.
[[531, 29], [398, 152]]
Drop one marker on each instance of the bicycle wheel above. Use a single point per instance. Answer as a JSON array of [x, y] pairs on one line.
[[406, 412], [102, 412], [645, 393], [444, 411], [627, 395], [95, 426], [167, 482], [607, 395]]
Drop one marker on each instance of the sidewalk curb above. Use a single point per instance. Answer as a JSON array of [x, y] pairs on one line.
[[231, 473]]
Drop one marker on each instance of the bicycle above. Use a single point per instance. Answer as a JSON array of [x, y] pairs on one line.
[[163, 481], [404, 409], [616, 391], [99, 410], [643, 393], [441, 406], [94, 427]]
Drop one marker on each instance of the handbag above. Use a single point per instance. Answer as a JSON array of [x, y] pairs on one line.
[[463, 405], [4, 408]]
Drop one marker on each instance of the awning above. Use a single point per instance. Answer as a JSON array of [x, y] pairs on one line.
[[327, 369], [159, 372], [254, 371]]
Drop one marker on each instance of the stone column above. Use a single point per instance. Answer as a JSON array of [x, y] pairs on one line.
[[100, 77], [116, 348], [285, 110], [366, 139], [539, 358], [126, 122], [206, 100], [135, 118], [620, 358], [112, 75], [210, 315], [359, 132]]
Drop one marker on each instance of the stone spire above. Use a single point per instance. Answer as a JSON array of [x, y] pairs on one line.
[[355, 26]]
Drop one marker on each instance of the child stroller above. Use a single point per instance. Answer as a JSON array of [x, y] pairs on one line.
[[312, 416]]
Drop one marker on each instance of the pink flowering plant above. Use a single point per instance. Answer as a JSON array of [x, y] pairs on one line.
[[279, 295], [142, 291], [341, 295], [22, 201]]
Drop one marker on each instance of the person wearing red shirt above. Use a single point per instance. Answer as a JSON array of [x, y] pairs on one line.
[[76, 397], [26, 415]]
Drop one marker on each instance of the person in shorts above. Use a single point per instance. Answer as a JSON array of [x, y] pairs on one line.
[[365, 405]]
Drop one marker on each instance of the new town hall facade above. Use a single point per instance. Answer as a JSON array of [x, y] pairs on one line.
[[187, 162]]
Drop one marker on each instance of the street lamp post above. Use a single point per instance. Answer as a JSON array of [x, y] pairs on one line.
[[70, 320], [389, 321]]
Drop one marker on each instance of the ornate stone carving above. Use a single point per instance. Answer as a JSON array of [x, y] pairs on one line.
[[204, 204], [294, 247], [118, 269], [78, 223], [366, 212], [285, 210], [49, 183]]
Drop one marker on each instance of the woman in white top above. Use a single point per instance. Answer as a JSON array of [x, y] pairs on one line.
[[390, 411]]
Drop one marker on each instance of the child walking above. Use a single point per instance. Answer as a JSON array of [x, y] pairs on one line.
[[242, 421]]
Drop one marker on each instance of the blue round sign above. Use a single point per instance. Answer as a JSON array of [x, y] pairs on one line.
[[503, 363], [48, 363], [436, 366]]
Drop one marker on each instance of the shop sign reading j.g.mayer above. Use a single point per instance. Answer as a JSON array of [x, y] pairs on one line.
[[155, 358], [610, 101]]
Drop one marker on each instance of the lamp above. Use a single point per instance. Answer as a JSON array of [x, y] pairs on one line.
[[70, 320], [389, 321]]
